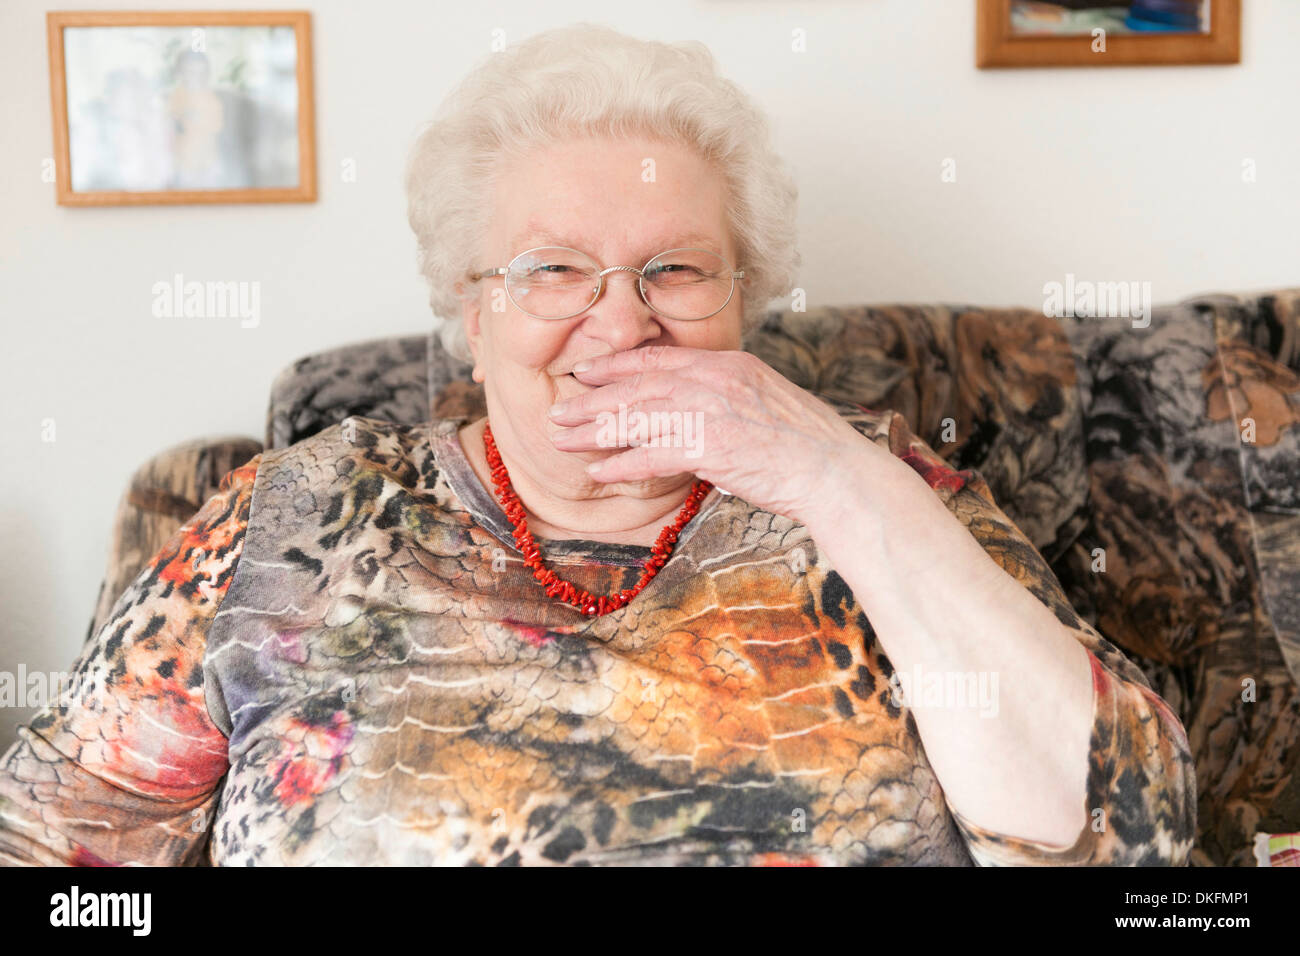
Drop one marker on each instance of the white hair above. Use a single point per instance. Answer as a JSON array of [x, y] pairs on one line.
[[590, 80]]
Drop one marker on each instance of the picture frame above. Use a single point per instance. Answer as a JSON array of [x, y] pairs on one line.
[[999, 45], [179, 107]]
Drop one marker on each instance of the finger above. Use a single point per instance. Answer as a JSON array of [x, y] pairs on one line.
[[640, 463], [610, 368], [590, 436], [639, 387], [648, 422]]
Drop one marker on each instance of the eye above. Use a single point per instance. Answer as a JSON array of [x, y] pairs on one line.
[[674, 274], [544, 269]]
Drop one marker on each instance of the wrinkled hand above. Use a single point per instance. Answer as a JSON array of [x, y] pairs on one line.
[[739, 424]]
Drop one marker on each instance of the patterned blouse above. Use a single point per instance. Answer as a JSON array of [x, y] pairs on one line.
[[341, 659]]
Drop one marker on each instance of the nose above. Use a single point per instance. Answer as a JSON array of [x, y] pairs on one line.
[[620, 317]]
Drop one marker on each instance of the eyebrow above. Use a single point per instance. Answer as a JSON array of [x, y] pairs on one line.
[[533, 236]]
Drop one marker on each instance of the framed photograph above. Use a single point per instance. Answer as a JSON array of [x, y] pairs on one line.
[[1106, 33], [184, 107]]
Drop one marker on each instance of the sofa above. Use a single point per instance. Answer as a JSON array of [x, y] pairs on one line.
[[1156, 468]]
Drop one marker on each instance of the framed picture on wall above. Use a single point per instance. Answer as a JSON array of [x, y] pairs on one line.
[[182, 107], [1106, 32]]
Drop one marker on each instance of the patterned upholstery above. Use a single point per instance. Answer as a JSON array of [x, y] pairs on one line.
[[1119, 452], [382, 378], [1200, 531]]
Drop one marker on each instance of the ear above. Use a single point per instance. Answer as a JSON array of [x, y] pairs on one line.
[[470, 305]]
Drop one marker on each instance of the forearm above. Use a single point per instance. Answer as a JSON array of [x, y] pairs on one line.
[[1015, 760]]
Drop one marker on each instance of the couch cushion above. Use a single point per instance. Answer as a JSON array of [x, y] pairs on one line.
[[382, 378], [989, 389]]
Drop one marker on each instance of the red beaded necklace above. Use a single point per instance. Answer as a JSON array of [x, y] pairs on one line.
[[557, 587]]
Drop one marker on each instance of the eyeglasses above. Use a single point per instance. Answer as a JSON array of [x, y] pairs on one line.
[[556, 282]]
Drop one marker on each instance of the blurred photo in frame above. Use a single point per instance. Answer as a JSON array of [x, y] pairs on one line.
[[182, 107]]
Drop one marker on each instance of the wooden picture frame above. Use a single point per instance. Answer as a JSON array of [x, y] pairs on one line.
[[997, 46], [198, 164]]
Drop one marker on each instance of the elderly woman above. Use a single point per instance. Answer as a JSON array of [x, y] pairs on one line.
[[659, 606]]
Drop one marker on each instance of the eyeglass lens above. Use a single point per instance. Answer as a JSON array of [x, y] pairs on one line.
[[555, 282]]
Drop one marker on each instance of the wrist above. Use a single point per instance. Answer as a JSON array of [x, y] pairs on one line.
[[858, 482]]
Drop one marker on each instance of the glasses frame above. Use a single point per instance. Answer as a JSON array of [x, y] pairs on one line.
[[600, 283]]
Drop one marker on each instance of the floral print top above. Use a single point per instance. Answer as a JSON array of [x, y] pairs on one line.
[[341, 659]]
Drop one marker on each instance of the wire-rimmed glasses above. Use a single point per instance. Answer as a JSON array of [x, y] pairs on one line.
[[557, 282]]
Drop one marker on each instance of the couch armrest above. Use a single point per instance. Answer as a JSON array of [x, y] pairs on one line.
[[162, 495]]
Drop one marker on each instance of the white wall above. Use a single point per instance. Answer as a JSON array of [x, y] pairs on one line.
[[1110, 174]]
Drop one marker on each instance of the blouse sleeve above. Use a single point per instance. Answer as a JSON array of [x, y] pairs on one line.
[[124, 768], [1141, 790]]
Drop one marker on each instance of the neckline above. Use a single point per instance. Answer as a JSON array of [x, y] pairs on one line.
[[486, 510]]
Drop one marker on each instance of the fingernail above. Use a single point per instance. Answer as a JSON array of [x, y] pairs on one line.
[[594, 467], [555, 409], [582, 366]]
